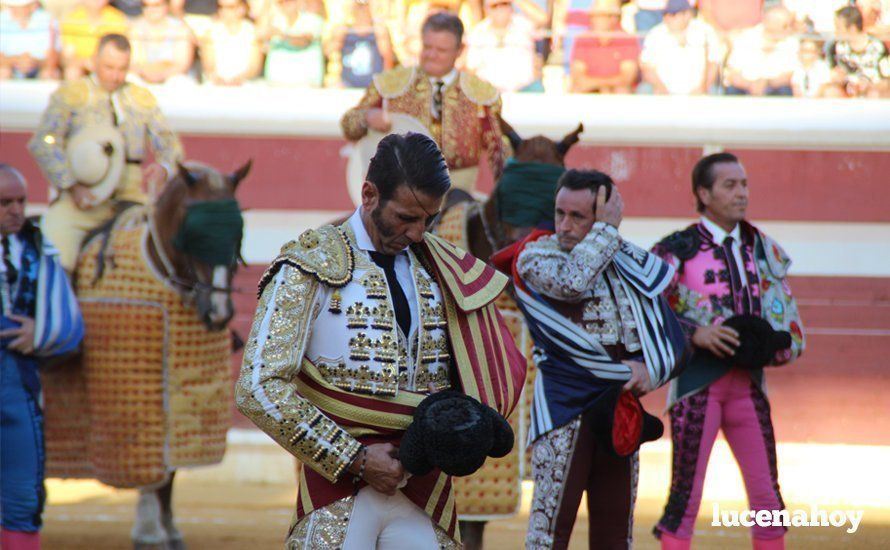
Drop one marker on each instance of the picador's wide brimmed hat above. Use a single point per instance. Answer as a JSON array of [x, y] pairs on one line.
[[97, 158]]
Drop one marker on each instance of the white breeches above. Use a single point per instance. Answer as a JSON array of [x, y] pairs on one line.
[[385, 522]]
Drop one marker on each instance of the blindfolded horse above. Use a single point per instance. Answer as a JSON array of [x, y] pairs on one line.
[[152, 390]]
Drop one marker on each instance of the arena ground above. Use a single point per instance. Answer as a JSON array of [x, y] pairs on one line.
[[84, 515]]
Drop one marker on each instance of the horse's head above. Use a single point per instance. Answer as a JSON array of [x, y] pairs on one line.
[[534, 150], [540, 148], [200, 224]]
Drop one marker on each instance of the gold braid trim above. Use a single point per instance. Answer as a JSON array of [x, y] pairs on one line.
[[322, 253], [141, 96], [74, 94], [478, 90], [367, 416], [395, 82]]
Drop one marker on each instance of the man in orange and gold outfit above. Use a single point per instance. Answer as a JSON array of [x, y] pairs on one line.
[[460, 110]]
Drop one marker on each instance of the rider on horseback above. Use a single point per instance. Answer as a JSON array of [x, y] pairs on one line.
[[126, 116]]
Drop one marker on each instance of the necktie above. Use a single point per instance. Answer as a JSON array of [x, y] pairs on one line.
[[399, 301], [437, 100], [113, 111], [12, 273], [740, 294]]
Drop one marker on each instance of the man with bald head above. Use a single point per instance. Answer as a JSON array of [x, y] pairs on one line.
[[39, 318], [764, 57]]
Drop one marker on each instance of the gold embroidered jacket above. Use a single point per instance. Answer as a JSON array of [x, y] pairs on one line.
[[324, 301], [84, 102], [469, 123]]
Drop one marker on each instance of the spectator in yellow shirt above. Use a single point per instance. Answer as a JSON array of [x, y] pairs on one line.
[[81, 30]]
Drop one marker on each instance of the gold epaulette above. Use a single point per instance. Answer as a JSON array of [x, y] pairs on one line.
[[141, 96], [322, 253], [395, 82], [478, 90], [74, 94]]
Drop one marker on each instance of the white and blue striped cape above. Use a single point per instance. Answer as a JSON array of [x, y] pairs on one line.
[[58, 324], [574, 368]]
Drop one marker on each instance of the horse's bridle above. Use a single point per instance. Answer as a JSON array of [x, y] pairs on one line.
[[186, 287]]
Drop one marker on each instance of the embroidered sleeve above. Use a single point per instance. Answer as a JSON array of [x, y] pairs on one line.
[[353, 122], [266, 392], [691, 308], [48, 144], [568, 276], [790, 321], [493, 139], [164, 142]]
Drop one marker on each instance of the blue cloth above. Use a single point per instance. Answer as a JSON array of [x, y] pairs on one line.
[[43, 293], [21, 447]]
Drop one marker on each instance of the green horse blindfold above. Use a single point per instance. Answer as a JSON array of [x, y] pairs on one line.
[[211, 232]]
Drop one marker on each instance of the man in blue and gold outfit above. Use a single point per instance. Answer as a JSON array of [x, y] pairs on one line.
[[100, 100]]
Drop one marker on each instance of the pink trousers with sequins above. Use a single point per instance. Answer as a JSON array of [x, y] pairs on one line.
[[738, 407]]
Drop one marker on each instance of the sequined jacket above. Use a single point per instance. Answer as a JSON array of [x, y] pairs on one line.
[[469, 123], [580, 285], [346, 327], [81, 103], [700, 293]]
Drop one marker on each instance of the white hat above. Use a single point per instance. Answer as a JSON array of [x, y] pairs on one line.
[[364, 149], [96, 158]]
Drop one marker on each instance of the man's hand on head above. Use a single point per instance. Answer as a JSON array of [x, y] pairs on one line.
[[22, 336], [609, 211]]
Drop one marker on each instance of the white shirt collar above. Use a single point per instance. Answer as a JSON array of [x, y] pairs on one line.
[[448, 79], [362, 239], [719, 233], [15, 252]]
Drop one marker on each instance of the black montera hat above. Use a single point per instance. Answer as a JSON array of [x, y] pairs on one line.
[[455, 433]]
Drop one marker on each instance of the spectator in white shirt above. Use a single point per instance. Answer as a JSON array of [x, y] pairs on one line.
[[763, 57], [680, 55], [812, 74], [501, 49], [231, 54]]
